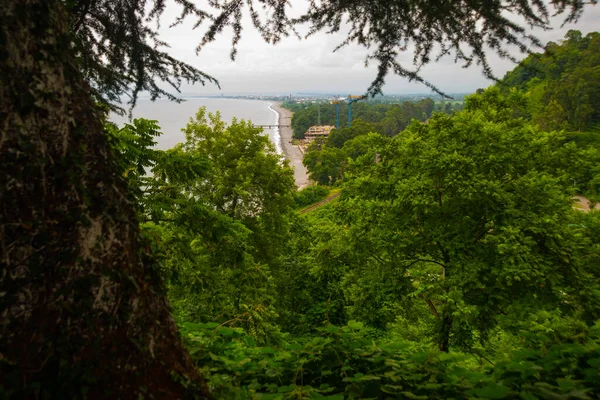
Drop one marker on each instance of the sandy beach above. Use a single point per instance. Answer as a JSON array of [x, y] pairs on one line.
[[292, 153]]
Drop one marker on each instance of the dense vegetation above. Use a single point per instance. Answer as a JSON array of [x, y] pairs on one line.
[[563, 83], [327, 159], [452, 265], [559, 90], [562, 92], [216, 210], [385, 118], [300, 301]]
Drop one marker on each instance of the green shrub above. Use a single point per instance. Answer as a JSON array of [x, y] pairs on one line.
[[343, 363], [310, 195]]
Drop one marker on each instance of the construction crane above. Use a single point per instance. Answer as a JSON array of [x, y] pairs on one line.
[[350, 99]]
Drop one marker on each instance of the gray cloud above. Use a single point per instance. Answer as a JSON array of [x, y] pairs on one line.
[[310, 65]]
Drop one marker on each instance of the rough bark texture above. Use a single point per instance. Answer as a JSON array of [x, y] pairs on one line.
[[82, 309]]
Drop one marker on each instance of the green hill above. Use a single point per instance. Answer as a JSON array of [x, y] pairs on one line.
[[562, 83]]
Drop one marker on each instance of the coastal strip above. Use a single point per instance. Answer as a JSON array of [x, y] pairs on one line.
[[291, 152], [276, 138]]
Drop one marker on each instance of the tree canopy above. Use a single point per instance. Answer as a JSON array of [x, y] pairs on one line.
[[563, 83], [452, 265], [469, 210], [217, 212], [389, 119]]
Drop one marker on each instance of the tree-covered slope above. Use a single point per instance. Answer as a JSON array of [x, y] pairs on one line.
[[385, 118], [563, 83]]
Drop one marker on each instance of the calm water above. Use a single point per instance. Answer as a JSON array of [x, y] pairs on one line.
[[172, 117]]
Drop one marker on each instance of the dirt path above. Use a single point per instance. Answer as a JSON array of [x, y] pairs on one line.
[[321, 203]]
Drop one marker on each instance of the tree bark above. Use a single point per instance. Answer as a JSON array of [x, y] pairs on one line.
[[82, 308], [444, 335]]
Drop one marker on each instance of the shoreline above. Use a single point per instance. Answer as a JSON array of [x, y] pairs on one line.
[[291, 152]]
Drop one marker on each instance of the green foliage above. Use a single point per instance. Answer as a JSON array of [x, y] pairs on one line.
[[467, 216], [133, 144], [368, 116], [562, 83], [327, 161], [215, 210], [327, 164], [452, 266], [309, 286], [346, 363], [339, 137], [310, 195], [399, 117], [587, 180], [294, 106]]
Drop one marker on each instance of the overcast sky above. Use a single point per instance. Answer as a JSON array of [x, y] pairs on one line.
[[309, 65]]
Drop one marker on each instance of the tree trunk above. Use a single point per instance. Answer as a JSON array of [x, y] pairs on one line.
[[444, 337], [82, 308]]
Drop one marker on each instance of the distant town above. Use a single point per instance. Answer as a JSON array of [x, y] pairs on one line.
[[327, 97]]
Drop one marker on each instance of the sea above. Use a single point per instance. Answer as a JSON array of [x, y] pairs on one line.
[[172, 117]]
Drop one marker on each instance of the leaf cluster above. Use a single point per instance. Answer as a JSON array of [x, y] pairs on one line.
[[121, 54], [215, 211], [343, 362]]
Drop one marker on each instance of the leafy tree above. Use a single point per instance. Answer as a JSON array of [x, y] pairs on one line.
[[301, 121], [394, 121], [562, 86], [133, 145], [339, 137], [347, 362], [369, 116], [472, 213], [309, 285], [553, 117], [398, 117], [250, 182], [362, 150], [325, 166], [583, 110], [427, 106], [310, 195], [217, 209]]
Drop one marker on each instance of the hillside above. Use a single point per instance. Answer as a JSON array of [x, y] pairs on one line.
[[562, 83]]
